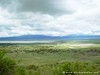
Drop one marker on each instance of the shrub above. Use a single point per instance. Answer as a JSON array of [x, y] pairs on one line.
[[71, 67], [7, 66]]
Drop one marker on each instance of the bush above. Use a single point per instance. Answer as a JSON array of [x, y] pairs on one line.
[[20, 71], [71, 67], [34, 67], [7, 66]]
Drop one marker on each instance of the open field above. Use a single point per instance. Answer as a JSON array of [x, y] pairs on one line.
[[48, 54], [38, 57]]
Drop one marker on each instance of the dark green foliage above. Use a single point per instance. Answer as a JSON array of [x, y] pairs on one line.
[[20, 71], [33, 67], [7, 66], [69, 68]]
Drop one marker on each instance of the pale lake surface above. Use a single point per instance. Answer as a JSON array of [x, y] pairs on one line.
[[26, 41]]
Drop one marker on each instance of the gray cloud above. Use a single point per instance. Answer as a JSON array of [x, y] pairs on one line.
[[4, 2], [35, 6], [38, 17], [42, 6]]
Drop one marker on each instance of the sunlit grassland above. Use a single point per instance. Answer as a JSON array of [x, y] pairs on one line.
[[49, 54], [53, 59]]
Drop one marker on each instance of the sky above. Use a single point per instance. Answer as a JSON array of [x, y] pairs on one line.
[[49, 17]]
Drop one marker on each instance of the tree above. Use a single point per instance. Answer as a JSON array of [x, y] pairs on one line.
[[7, 66]]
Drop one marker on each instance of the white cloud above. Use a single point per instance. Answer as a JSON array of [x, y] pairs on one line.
[[85, 19]]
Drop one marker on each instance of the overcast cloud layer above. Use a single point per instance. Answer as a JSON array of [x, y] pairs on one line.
[[49, 17]]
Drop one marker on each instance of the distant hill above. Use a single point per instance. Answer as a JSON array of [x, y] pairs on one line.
[[44, 37]]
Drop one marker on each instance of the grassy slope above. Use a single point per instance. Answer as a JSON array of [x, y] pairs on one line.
[[39, 54], [51, 59]]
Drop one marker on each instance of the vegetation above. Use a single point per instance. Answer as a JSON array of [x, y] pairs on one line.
[[52, 59], [7, 66]]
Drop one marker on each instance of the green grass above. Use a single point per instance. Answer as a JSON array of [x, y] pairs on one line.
[[45, 57], [47, 54]]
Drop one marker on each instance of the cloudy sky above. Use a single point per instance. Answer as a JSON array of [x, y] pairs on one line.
[[49, 17]]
